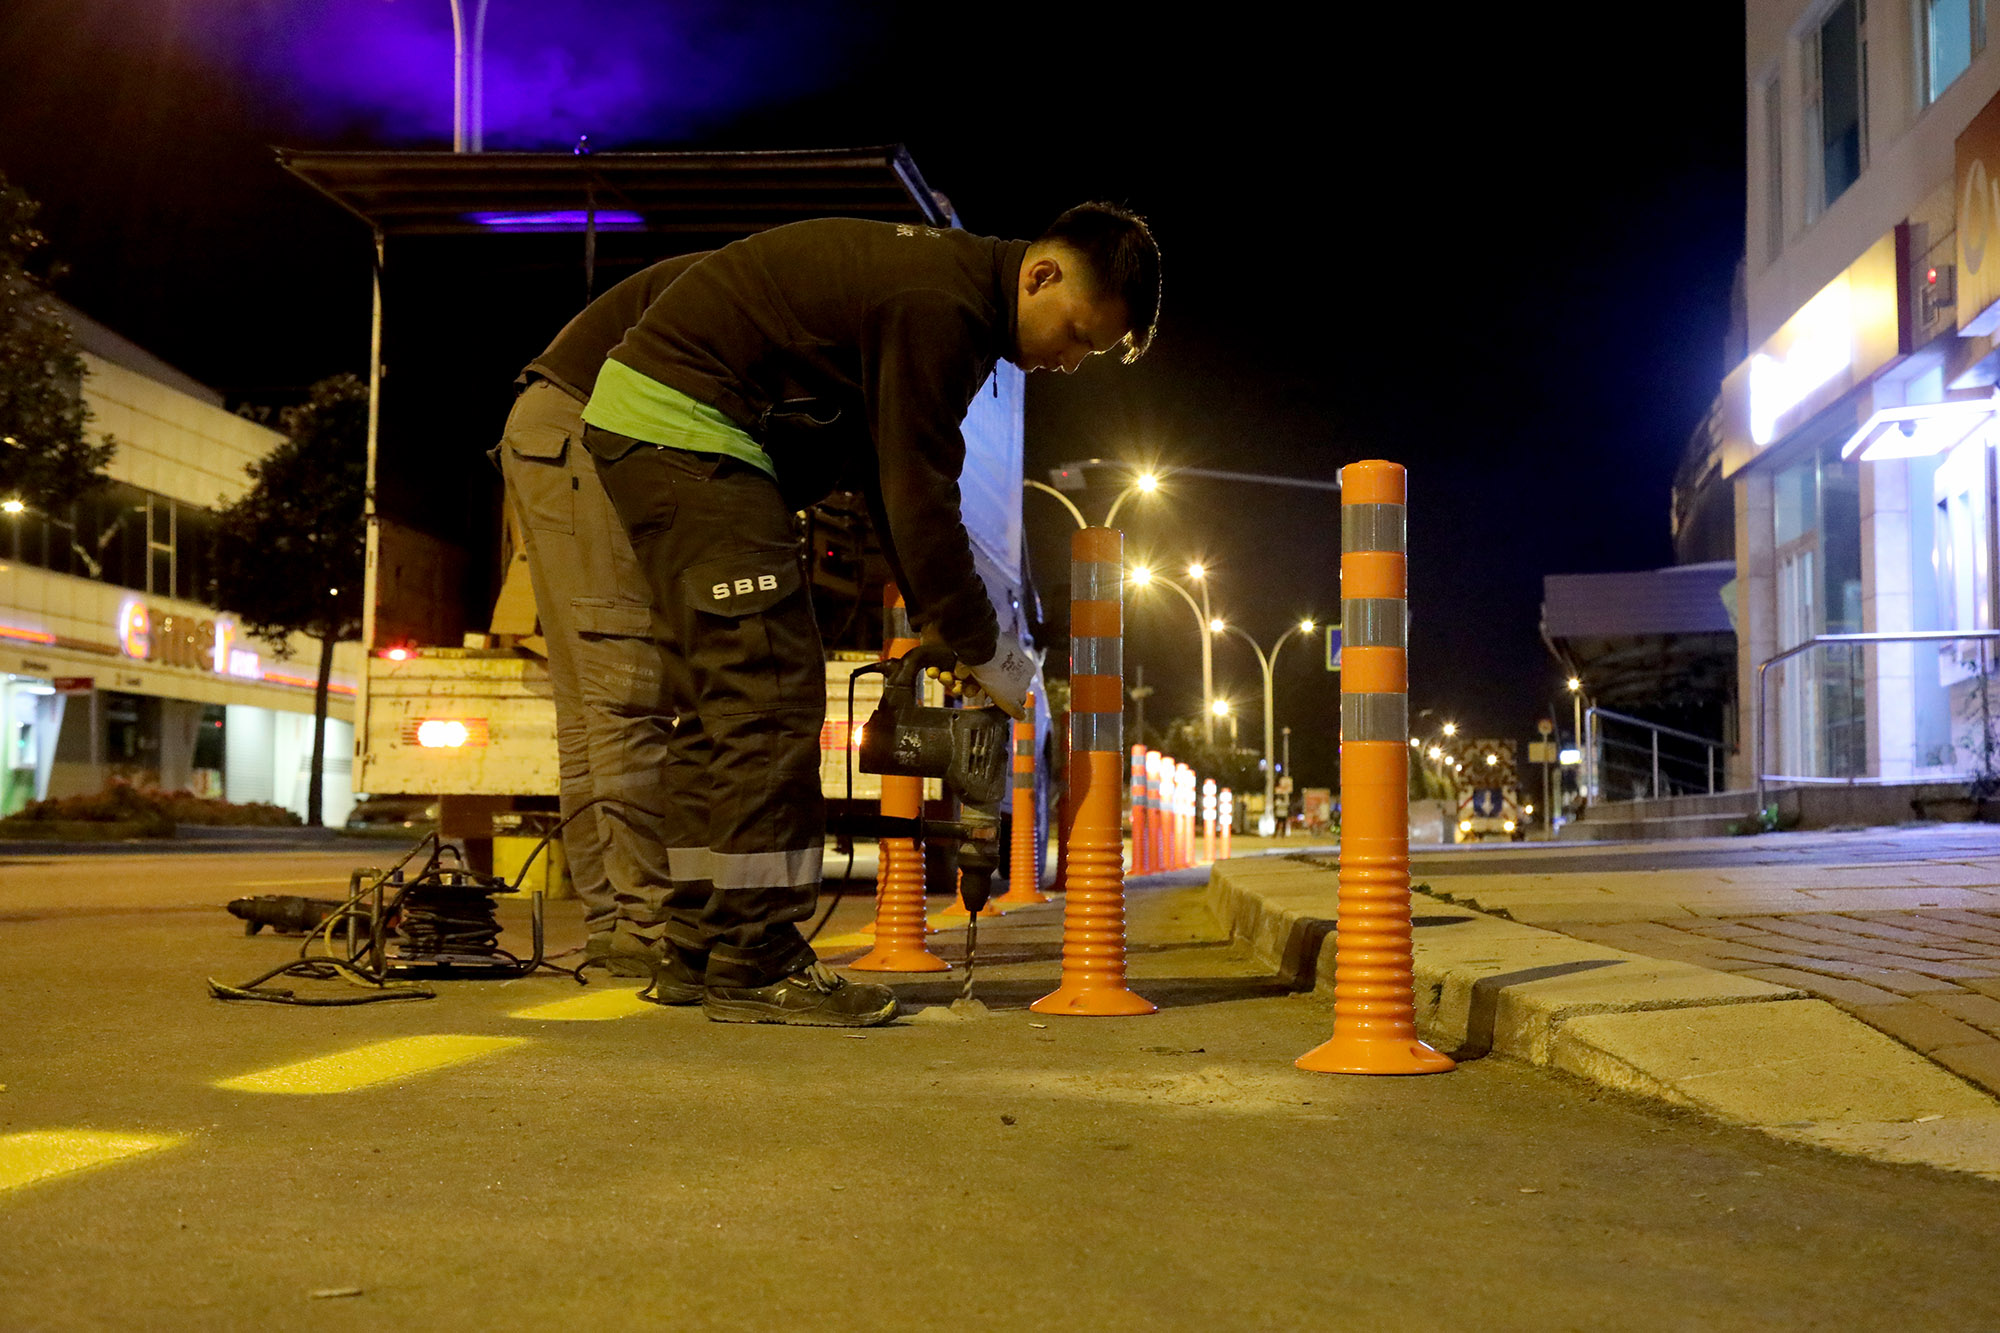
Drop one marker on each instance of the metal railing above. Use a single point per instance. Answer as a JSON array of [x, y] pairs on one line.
[[1596, 748], [1820, 640]]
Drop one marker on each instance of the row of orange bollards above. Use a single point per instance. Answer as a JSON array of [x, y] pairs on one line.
[[1165, 810], [1374, 1029]]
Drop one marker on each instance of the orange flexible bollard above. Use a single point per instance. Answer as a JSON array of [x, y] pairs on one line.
[[1157, 818], [1208, 819], [1024, 887], [1065, 809], [1093, 957], [1151, 795], [1225, 813], [1374, 1009], [1138, 810], [1186, 803], [1183, 818], [900, 926]]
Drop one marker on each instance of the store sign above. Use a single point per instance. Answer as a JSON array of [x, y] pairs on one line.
[[1976, 178], [1815, 345], [1849, 329], [183, 641]]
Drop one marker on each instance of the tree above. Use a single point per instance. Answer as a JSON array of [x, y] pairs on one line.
[[46, 461], [289, 554]]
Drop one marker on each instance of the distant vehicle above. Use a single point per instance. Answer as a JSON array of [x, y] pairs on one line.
[[1489, 797], [393, 812]]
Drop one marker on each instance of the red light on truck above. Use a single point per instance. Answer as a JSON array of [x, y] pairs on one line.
[[445, 733], [1931, 277]]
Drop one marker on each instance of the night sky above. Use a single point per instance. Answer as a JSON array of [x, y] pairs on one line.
[[1494, 246]]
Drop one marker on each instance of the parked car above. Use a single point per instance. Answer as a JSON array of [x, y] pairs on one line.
[[378, 813]]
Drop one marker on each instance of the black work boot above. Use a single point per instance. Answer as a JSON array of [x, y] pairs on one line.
[[813, 996], [676, 978], [620, 955]]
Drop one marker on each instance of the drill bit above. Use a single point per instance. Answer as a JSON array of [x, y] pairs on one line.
[[971, 947]]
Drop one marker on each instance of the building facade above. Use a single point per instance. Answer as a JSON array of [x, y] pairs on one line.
[[111, 664], [1857, 433]]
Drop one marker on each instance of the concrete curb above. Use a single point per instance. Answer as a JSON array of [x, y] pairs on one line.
[[1744, 1050]]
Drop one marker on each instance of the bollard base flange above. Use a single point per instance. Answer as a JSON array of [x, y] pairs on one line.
[[957, 913], [1094, 1001], [1374, 1055], [906, 958], [1022, 897]]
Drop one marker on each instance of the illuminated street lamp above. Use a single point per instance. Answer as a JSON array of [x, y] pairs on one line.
[[1220, 708], [13, 505], [1145, 483], [1267, 823], [1575, 686]]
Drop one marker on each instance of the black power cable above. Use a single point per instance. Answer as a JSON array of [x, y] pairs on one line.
[[871, 668], [441, 909]]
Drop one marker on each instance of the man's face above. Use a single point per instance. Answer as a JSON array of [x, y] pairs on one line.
[[1060, 318]]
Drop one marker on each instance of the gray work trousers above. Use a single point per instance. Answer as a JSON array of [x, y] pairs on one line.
[[745, 675], [605, 662]]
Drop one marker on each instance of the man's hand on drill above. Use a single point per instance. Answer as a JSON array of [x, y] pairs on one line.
[[1005, 679]]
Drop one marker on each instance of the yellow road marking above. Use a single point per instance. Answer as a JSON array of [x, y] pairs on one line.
[[366, 1066], [285, 883], [43, 1154], [851, 941], [595, 1007]]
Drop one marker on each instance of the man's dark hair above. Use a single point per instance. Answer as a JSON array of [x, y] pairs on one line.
[[1118, 248]]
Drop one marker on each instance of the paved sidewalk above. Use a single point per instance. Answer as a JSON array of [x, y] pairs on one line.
[[1731, 974], [1910, 945]]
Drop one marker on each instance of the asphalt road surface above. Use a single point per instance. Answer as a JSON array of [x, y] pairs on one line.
[[644, 1168]]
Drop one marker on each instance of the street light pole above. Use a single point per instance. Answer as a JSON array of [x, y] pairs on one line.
[[468, 80], [1142, 577], [1268, 822], [1575, 684], [1200, 575]]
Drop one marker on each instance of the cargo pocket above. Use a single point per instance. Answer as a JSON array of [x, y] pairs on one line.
[[744, 584], [537, 468], [604, 615]]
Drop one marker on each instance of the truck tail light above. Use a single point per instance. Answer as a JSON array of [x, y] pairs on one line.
[[445, 733]]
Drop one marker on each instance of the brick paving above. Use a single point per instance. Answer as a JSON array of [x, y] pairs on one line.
[[1930, 978]]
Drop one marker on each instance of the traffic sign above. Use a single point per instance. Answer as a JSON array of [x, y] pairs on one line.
[[1285, 785], [1546, 727], [1333, 647], [1487, 802]]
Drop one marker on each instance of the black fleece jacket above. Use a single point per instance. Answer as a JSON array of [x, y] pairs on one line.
[[572, 360], [852, 347]]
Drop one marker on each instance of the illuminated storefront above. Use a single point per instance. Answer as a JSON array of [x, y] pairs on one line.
[[111, 668], [1860, 437]]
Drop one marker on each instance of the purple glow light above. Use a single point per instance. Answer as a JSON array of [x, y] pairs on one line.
[[626, 72], [561, 219]]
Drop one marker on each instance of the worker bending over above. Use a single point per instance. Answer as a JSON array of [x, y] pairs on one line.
[[763, 375]]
